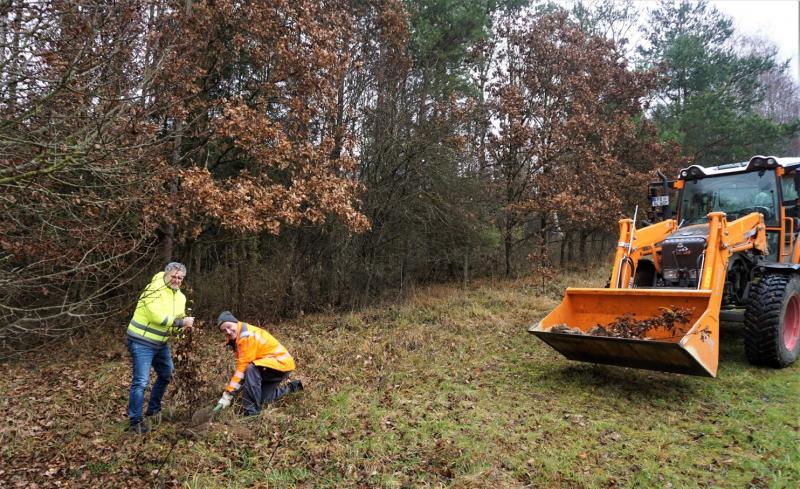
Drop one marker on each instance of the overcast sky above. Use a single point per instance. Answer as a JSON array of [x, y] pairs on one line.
[[777, 20]]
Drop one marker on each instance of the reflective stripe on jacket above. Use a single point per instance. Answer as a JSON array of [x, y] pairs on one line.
[[257, 346], [156, 311]]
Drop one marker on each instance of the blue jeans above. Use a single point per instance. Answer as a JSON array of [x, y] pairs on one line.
[[144, 357]]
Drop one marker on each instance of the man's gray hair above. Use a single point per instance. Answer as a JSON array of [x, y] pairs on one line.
[[175, 266]]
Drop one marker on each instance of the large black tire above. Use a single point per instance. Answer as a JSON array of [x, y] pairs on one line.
[[772, 321], [645, 274]]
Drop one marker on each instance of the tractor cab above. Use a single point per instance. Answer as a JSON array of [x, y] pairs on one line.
[[766, 185]]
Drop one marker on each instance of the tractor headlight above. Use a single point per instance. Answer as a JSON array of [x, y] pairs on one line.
[[694, 172], [670, 274], [762, 162]]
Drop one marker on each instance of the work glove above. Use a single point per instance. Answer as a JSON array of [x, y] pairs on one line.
[[224, 401]]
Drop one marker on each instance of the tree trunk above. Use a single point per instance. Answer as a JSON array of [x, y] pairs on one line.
[[169, 228], [466, 267], [571, 250], [508, 244], [14, 58], [4, 40], [338, 129], [543, 237], [402, 271], [582, 246]]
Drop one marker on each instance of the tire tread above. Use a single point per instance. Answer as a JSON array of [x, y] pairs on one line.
[[762, 321]]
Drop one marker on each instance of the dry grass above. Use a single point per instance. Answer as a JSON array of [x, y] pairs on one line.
[[444, 390]]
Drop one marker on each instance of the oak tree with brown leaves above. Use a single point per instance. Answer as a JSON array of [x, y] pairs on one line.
[[566, 105], [78, 148]]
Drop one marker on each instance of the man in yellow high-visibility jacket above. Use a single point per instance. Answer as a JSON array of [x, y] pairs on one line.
[[262, 363], [160, 312]]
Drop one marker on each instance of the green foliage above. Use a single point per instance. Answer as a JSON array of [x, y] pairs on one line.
[[709, 127], [491, 238], [444, 33], [711, 91], [444, 29]]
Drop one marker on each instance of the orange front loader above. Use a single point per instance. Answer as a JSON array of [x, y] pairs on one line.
[[692, 349]]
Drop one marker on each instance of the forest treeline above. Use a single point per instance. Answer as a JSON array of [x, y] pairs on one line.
[[310, 155]]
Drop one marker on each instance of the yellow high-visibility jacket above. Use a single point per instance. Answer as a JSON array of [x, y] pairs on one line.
[[257, 346], [158, 307]]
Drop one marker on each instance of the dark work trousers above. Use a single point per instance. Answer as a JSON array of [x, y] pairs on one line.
[[260, 386]]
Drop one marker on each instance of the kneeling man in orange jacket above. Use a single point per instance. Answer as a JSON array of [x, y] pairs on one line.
[[262, 363]]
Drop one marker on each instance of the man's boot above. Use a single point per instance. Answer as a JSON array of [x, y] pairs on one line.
[[296, 385], [139, 428]]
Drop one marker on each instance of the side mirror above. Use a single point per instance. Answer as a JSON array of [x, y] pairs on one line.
[[660, 203]]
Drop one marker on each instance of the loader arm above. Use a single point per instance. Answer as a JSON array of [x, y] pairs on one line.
[[692, 348], [724, 239], [634, 244]]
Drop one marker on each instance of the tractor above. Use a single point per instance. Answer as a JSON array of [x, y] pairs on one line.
[[724, 247]]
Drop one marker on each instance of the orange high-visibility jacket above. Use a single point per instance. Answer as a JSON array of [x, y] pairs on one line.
[[257, 346]]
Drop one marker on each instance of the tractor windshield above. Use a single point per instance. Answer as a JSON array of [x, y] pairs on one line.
[[736, 195]]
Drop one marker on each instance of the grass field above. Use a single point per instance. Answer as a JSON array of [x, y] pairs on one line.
[[446, 389]]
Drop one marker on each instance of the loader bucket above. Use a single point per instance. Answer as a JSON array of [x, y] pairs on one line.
[[690, 348]]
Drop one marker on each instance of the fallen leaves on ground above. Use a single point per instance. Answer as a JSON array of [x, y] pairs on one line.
[[671, 319]]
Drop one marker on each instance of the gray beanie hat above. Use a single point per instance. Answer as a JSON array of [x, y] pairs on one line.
[[226, 316]]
